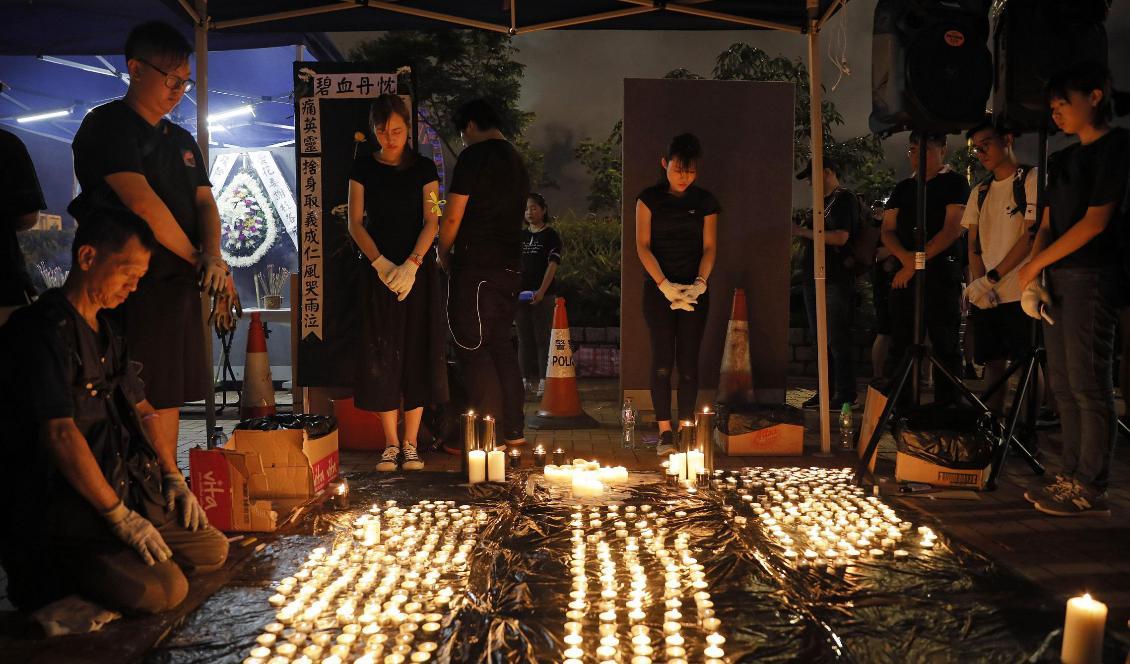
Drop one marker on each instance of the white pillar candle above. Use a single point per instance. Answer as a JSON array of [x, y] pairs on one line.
[[1083, 631], [496, 466], [476, 466], [696, 462], [677, 464]]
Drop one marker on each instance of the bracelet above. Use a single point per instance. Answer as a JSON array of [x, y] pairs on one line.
[[416, 260], [700, 278], [993, 275]]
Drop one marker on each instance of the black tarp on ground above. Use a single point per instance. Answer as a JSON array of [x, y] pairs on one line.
[[952, 605]]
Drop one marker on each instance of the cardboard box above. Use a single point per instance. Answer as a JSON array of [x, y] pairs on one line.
[[224, 481], [912, 469], [873, 407], [257, 475], [297, 467], [776, 440]]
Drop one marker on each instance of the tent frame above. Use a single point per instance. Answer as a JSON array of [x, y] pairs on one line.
[[197, 11]]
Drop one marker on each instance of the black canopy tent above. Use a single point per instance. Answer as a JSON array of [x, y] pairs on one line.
[[43, 27]]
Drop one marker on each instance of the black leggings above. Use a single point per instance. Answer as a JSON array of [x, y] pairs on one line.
[[676, 337]]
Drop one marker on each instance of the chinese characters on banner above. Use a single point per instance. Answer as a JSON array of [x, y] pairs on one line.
[[344, 86], [310, 191]]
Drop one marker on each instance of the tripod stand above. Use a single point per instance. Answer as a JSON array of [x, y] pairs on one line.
[[918, 352]]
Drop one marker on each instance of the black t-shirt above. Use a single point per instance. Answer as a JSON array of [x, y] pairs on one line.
[[945, 188], [1083, 176], [492, 174], [676, 228], [839, 215], [69, 370], [115, 139], [538, 249], [394, 201], [19, 194]]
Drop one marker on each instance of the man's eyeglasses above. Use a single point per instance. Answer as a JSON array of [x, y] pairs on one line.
[[979, 149], [172, 81]]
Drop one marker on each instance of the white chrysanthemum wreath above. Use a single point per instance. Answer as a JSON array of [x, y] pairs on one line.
[[248, 227]]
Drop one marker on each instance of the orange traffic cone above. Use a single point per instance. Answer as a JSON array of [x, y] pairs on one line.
[[561, 402], [258, 396], [735, 382]]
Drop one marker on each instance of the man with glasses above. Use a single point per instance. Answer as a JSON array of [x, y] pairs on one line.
[[127, 152], [998, 215], [946, 192]]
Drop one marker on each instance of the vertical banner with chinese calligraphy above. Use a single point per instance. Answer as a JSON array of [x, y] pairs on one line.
[[331, 106]]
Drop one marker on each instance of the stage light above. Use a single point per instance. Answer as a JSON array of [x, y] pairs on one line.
[[47, 115], [235, 112]]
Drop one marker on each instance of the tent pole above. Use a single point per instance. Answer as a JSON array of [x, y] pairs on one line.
[[201, 34], [817, 135]]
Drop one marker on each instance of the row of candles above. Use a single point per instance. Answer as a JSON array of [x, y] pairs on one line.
[[819, 517], [586, 478], [636, 533], [380, 594]]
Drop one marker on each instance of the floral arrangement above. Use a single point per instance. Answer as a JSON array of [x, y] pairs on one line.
[[248, 227]]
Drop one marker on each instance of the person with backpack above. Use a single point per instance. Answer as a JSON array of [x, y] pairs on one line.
[[999, 214], [1077, 250], [842, 220]]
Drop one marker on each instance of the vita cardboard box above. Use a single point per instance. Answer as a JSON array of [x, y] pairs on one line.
[[912, 469], [776, 440], [258, 474], [223, 481]]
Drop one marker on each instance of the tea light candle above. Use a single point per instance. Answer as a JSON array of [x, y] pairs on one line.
[[515, 456], [1083, 631], [539, 456], [559, 456]]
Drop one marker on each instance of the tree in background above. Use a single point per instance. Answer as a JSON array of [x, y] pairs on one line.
[[454, 66], [604, 162]]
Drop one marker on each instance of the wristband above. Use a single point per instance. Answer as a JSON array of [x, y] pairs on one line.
[[416, 260], [993, 275], [702, 279]]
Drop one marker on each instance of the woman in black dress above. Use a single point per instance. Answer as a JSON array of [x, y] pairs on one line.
[[401, 342], [676, 228]]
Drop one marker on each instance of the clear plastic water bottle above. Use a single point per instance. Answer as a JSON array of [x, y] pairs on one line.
[[628, 414], [217, 438], [847, 422]]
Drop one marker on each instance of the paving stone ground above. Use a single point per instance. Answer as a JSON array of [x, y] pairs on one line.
[[1066, 556]]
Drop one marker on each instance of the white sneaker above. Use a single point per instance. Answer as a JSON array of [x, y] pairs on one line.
[[411, 458], [387, 464], [541, 388]]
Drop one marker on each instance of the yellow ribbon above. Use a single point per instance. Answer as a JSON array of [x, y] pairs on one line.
[[437, 203]]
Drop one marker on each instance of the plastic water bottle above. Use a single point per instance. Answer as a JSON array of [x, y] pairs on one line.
[[847, 435], [217, 438], [628, 415]]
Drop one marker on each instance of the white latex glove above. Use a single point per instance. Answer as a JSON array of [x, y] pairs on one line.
[[384, 268], [402, 277], [673, 291], [136, 531], [695, 290], [1036, 301], [684, 304], [179, 497], [981, 294]]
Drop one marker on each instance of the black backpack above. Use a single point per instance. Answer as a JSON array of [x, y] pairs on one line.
[[1019, 197], [858, 254]]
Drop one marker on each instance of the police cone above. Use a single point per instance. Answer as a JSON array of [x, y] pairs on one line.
[[561, 402], [258, 396], [735, 381]]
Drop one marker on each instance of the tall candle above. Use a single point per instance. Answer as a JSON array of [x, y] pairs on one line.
[[678, 464], [468, 425], [686, 436], [695, 464], [1083, 631], [487, 440], [496, 465], [476, 466], [704, 432]]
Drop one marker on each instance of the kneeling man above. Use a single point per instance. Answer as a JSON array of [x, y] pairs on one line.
[[91, 500]]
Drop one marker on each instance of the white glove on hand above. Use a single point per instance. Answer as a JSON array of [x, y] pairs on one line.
[[695, 290], [673, 291], [1036, 301], [402, 277], [179, 497], [684, 304], [136, 531], [981, 294], [384, 268]]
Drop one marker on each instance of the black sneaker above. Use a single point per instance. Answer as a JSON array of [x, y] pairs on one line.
[[1038, 487], [1073, 499], [812, 404], [838, 402], [389, 459], [412, 459], [666, 443]]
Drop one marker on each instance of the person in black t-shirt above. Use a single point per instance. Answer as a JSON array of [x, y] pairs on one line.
[[840, 219], [1078, 250], [126, 152], [541, 254], [676, 231], [946, 192], [401, 346], [20, 201], [91, 498], [482, 225]]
